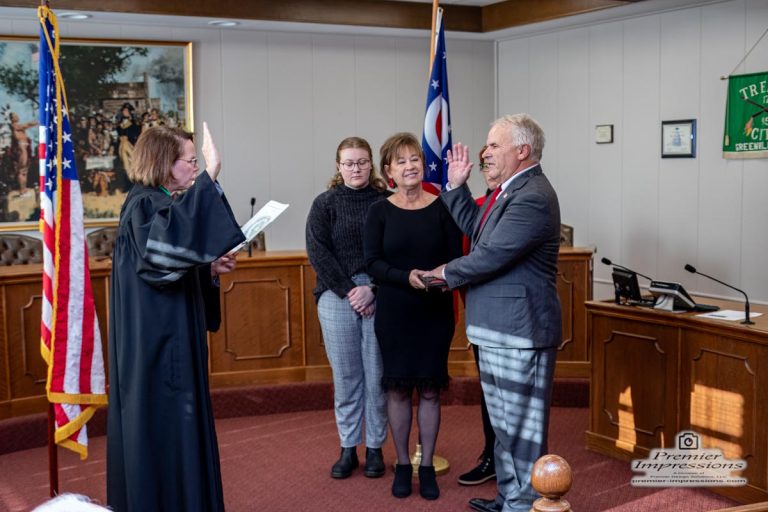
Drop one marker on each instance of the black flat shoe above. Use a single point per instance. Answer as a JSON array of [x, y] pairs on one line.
[[374, 463], [428, 483], [346, 464], [401, 487]]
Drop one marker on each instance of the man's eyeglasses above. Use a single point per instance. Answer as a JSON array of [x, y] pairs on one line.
[[191, 161], [349, 165]]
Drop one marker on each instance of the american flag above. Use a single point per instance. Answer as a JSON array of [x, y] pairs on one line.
[[70, 335], [436, 140]]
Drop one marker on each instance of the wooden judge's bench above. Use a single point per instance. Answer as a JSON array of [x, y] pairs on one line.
[[269, 333], [656, 373]]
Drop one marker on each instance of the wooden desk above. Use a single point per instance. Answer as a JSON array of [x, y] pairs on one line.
[[655, 373], [269, 334]]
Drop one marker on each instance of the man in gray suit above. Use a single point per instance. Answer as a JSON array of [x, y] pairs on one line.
[[512, 307]]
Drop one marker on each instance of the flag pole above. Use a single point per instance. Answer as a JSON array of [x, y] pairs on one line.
[[53, 453], [433, 35]]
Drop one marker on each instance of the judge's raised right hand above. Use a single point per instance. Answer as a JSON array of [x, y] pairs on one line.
[[210, 154], [459, 165]]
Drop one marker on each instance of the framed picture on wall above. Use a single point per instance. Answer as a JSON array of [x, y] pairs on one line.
[[115, 89], [678, 139]]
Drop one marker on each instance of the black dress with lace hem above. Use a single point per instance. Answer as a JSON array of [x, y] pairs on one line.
[[414, 327]]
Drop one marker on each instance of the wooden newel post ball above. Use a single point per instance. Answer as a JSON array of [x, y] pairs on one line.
[[552, 478]]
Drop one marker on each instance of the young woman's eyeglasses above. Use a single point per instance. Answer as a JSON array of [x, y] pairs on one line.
[[191, 161], [349, 165]]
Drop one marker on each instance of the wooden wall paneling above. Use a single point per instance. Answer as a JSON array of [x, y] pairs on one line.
[[5, 352], [461, 359], [510, 13], [28, 371], [269, 334], [721, 389], [566, 285], [684, 373], [313, 335], [262, 326], [574, 287], [634, 404]]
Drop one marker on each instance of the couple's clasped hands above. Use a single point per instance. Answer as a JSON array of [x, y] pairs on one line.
[[418, 278], [361, 298]]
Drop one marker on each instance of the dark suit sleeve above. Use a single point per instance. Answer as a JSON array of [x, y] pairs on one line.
[[523, 226], [211, 299], [462, 208]]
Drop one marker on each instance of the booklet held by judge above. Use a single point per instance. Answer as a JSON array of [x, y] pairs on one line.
[[258, 222]]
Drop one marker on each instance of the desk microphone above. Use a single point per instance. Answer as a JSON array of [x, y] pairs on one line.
[[250, 244], [747, 321], [612, 264]]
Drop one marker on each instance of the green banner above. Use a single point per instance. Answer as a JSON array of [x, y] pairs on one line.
[[746, 117]]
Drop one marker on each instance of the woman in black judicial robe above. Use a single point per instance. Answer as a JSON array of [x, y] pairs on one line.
[[174, 233]]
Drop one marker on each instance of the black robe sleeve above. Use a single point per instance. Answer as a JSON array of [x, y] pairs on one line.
[[211, 298], [173, 235]]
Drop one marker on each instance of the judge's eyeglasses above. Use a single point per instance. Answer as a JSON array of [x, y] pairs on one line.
[[191, 161], [361, 164]]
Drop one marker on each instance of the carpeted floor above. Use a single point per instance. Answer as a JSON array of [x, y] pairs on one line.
[[281, 463]]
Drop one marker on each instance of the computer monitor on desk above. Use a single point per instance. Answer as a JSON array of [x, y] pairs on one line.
[[673, 297], [627, 289]]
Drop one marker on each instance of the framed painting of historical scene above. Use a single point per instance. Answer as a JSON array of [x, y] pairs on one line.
[[115, 89]]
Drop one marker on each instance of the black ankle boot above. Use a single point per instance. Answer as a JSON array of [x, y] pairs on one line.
[[374, 463], [346, 464], [401, 487], [428, 483], [484, 471]]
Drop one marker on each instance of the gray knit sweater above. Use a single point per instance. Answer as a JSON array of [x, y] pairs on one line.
[[335, 236]]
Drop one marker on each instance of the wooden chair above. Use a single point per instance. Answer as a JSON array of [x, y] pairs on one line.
[[19, 249], [101, 242], [566, 235]]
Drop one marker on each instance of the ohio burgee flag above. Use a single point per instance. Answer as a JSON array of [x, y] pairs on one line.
[[436, 140]]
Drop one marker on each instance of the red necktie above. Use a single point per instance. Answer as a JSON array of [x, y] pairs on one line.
[[489, 206]]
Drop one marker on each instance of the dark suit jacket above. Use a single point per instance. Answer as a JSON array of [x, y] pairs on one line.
[[511, 269]]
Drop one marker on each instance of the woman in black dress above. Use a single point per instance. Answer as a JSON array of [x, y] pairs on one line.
[[409, 232]]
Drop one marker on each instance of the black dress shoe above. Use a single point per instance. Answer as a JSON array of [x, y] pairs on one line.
[[482, 505], [374, 463], [485, 470], [346, 464]]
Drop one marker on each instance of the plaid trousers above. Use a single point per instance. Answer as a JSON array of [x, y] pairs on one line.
[[355, 357]]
